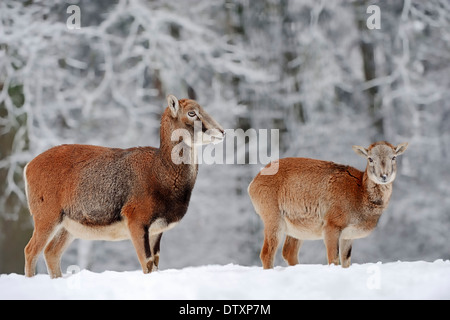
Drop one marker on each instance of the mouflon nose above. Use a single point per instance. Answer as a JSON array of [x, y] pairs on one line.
[[384, 177]]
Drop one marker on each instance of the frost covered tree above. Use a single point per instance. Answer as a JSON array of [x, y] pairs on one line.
[[106, 82]]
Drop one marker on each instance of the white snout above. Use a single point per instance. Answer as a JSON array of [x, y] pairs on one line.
[[385, 178], [214, 136]]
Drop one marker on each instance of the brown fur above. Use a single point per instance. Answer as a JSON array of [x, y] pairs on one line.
[[312, 199], [104, 193]]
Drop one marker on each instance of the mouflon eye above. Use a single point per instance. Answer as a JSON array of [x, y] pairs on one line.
[[370, 159], [192, 114], [393, 158]]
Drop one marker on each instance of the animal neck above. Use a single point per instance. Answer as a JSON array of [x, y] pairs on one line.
[[378, 195], [187, 169]]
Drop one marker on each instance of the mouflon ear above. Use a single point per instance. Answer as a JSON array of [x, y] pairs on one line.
[[173, 104], [360, 151], [401, 148]]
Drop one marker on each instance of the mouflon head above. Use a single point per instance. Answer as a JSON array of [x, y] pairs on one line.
[[191, 117], [381, 160]]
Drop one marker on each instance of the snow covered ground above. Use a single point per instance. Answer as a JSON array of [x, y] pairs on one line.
[[395, 280]]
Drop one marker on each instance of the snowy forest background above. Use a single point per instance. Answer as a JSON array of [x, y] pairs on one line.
[[311, 69]]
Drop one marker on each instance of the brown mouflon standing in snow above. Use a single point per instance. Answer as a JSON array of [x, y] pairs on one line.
[[99, 193], [312, 199]]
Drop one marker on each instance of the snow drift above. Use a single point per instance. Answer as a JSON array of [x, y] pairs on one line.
[[395, 280]]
